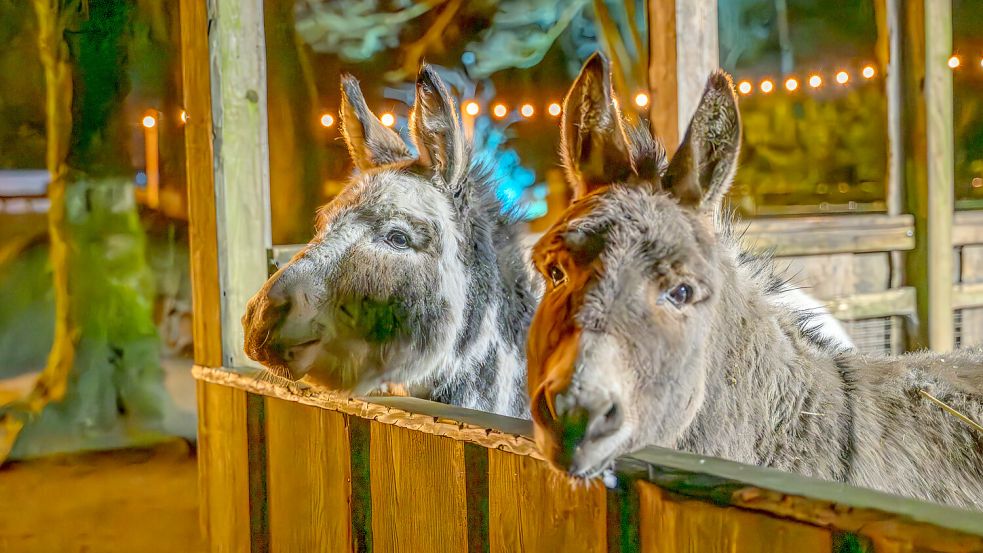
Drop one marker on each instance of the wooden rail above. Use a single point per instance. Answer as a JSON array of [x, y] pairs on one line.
[[316, 471]]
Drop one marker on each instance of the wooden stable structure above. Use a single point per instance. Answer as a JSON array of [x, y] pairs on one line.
[[288, 470]]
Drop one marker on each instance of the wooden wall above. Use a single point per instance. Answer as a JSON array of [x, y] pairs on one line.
[[304, 472]]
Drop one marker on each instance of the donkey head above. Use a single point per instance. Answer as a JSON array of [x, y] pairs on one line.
[[378, 295], [615, 347]]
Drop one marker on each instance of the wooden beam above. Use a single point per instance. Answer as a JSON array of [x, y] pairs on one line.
[[697, 54], [663, 111], [830, 234], [238, 61], [205, 292], [929, 174], [895, 302], [967, 228], [223, 468], [967, 295]]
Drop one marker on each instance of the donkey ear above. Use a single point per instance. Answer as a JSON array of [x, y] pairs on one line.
[[593, 145], [370, 143], [703, 168], [436, 128]]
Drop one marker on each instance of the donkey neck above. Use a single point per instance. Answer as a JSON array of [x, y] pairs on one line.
[[774, 395], [487, 367]]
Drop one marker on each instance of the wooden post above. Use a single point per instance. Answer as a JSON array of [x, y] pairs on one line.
[[205, 291], [237, 51], [929, 167], [683, 53]]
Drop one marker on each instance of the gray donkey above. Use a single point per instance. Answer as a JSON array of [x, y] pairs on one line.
[[414, 278], [656, 328]]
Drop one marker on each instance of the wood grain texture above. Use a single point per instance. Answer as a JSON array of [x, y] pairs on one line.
[[697, 54], [663, 110], [418, 491], [205, 292], [680, 526], [309, 472], [223, 467], [237, 51], [532, 507], [830, 234]]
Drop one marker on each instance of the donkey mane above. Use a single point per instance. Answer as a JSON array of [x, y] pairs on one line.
[[501, 288]]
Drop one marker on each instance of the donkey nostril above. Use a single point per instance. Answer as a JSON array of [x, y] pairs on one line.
[[608, 423]]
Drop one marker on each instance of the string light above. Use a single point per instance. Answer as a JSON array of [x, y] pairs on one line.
[[184, 116], [815, 81], [981, 62], [554, 109], [527, 110], [500, 110], [842, 77], [641, 99], [327, 120], [388, 119], [767, 86], [791, 84], [472, 108], [149, 121], [745, 87], [954, 62], [868, 72]]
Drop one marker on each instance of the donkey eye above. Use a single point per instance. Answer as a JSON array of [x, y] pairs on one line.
[[398, 239], [557, 275], [680, 295]]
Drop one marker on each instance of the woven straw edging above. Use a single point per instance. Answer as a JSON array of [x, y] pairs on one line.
[[334, 401]]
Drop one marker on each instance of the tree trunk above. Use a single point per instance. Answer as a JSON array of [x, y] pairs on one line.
[[102, 386]]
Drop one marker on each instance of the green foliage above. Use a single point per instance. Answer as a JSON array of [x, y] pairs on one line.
[[807, 149]]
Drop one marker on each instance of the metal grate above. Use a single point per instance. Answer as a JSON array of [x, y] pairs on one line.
[[874, 336], [957, 327]]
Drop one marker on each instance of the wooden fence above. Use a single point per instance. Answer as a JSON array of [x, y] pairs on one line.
[[283, 469]]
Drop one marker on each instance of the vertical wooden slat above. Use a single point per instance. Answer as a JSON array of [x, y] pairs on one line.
[[693, 526], [929, 167], [476, 468], [360, 444], [697, 54], [205, 293], [309, 476], [418, 491], [531, 507], [259, 519], [662, 72], [223, 467], [238, 61]]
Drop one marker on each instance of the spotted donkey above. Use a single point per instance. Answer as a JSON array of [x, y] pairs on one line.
[[414, 277], [657, 328]]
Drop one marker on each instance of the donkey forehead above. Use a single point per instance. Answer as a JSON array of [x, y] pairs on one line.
[[629, 219], [388, 194]]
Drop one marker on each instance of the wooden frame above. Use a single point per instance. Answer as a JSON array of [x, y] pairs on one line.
[[286, 469]]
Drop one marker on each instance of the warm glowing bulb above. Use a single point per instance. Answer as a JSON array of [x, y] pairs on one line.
[[842, 77], [471, 108], [767, 86], [641, 99], [791, 84], [815, 81], [868, 72], [184, 116], [149, 121], [954, 62], [527, 110], [500, 110], [388, 119], [327, 120], [745, 87], [554, 109], [981, 62]]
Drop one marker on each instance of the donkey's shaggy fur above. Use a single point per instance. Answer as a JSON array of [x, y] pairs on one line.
[[415, 278], [657, 328]]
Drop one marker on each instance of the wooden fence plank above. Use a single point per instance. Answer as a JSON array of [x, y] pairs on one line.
[[223, 467], [418, 491], [531, 507], [309, 473], [671, 526]]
